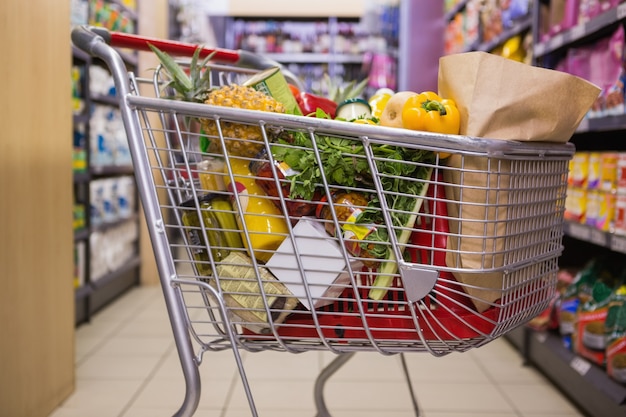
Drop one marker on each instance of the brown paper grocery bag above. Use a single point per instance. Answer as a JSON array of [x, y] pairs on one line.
[[499, 98], [477, 224]]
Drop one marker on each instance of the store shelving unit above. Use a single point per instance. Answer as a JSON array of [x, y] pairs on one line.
[[518, 27], [92, 292], [304, 60], [585, 383]]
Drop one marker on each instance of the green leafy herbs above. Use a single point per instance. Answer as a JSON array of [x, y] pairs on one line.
[[344, 163]]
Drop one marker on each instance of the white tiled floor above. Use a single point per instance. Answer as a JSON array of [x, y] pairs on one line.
[[126, 366]]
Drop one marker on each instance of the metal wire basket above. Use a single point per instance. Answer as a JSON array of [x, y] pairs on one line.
[[402, 250]]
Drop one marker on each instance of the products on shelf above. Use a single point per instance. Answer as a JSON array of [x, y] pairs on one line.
[[79, 156], [111, 248], [79, 12], [112, 16], [559, 15], [79, 264], [602, 63], [111, 199], [108, 143], [463, 30], [592, 314], [80, 218], [290, 37], [596, 193], [101, 82], [78, 98], [483, 21]]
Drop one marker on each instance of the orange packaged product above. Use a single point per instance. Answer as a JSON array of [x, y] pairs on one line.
[[594, 166], [592, 208], [608, 171], [605, 219], [619, 218], [621, 173], [576, 205], [616, 336], [578, 170], [589, 333]]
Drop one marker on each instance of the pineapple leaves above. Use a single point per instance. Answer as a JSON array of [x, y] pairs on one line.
[[339, 94], [193, 87], [174, 70]]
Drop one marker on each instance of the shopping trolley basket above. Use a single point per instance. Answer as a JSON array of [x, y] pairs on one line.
[[385, 240]]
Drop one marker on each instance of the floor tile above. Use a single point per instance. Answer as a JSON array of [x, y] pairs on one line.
[[536, 399], [461, 397], [102, 397], [103, 367], [127, 366]]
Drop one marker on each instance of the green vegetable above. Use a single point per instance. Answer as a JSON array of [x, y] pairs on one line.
[[344, 163]]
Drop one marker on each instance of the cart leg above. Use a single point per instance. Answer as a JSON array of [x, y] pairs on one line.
[[410, 385], [334, 366], [326, 373], [192, 386]]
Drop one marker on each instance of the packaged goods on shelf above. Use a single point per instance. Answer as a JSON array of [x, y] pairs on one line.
[[559, 15], [112, 199], [463, 30], [101, 205], [79, 264], [594, 170], [111, 16], [111, 248], [589, 333], [483, 22], [579, 170], [576, 205], [620, 215], [584, 304], [605, 219], [78, 102], [125, 196], [101, 82], [79, 12], [79, 156], [608, 171], [616, 336], [108, 143], [594, 187], [79, 214], [601, 63], [621, 173]]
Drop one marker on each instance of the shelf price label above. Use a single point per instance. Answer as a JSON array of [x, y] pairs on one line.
[[541, 337], [577, 32], [579, 231], [621, 11], [618, 244], [580, 365], [598, 237]]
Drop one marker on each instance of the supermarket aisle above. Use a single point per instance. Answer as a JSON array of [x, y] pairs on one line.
[[127, 367]]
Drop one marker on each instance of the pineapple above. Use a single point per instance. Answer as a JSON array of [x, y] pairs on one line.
[[240, 97], [241, 140]]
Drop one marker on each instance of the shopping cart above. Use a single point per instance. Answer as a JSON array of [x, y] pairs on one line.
[[407, 250]]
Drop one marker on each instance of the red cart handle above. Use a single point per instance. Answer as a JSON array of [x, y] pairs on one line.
[[140, 43], [84, 36]]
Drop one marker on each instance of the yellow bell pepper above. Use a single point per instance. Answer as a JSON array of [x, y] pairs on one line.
[[429, 112]]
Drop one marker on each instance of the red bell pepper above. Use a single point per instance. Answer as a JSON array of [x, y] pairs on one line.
[[309, 103]]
